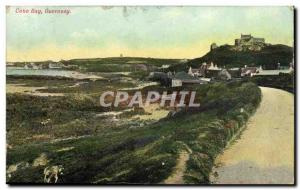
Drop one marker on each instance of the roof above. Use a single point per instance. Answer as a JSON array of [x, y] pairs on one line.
[[183, 76], [234, 69], [249, 70], [186, 78]]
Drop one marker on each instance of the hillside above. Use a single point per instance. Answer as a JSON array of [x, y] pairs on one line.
[[225, 55], [112, 64], [125, 60], [120, 64]]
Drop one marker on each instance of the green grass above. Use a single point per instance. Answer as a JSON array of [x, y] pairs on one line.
[[135, 155], [119, 64]]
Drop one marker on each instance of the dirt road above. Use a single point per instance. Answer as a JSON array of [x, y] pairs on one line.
[[177, 176], [265, 152]]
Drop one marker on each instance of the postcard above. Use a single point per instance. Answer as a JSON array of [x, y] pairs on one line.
[[150, 95]]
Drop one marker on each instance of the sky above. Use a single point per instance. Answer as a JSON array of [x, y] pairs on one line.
[[158, 32]]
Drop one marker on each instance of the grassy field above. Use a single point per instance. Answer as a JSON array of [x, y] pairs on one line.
[[128, 61], [99, 152], [284, 81], [112, 64]]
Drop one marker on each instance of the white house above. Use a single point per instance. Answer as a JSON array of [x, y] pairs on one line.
[[165, 66], [213, 67]]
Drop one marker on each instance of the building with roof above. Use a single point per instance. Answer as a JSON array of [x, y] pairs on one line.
[[213, 66], [213, 46], [248, 40], [248, 71], [186, 78]]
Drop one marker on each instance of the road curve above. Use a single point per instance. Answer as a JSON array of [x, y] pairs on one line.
[[264, 154]]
